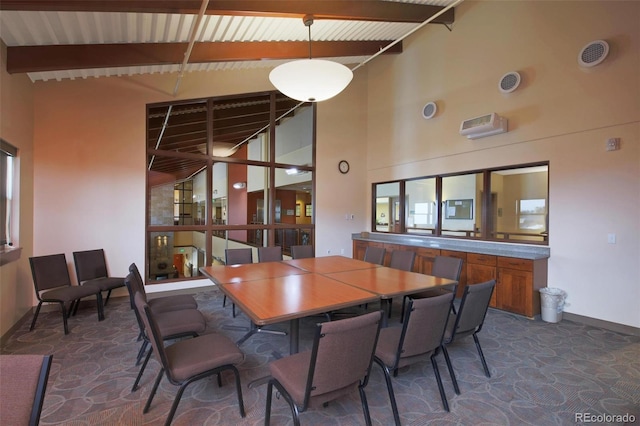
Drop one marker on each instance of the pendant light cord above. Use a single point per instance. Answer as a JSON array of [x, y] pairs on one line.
[[308, 21]]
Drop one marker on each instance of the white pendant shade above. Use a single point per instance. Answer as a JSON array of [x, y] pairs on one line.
[[311, 80]]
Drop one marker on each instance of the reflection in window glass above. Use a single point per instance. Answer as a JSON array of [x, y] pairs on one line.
[[387, 216], [461, 197], [519, 199], [420, 196], [294, 137]]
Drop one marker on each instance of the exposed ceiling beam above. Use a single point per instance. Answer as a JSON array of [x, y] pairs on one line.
[[23, 59], [361, 10]]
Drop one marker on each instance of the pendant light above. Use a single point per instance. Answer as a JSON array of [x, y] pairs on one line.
[[310, 80]]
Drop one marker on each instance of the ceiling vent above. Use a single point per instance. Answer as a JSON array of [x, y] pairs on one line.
[[593, 53], [429, 110], [509, 82]]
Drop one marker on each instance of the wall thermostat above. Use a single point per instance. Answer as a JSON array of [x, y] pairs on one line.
[[485, 125]]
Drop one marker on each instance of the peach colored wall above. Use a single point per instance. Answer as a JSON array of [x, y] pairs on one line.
[[89, 156], [560, 113], [16, 127]]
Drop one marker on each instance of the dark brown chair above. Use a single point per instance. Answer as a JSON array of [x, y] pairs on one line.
[[302, 252], [174, 302], [443, 267], [189, 360], [53, 285], [270, 254], [339, 363], [91, 267], [404, 260], [172, 324], [421, 335], [468, 321], [374, 255], [24, 383], [237, 256]]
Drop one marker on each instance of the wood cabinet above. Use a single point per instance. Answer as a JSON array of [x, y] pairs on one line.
[[482, 268], [517, 280]]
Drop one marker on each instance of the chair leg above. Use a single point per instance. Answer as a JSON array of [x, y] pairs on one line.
[[176, 401], [404, 303], [145, 410], [390, 303], [450, 367], [436, 371], [141, 352], [236, 373], [35, 316], [365, 406], [267, 409], [144, 365], [484, 362], [224, 300], [107, 299], [233, 309], [100, 306], [295, 412], [65, 318], [392, 396]]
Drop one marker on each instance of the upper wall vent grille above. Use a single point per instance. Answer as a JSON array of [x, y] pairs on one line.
[[593, 53]]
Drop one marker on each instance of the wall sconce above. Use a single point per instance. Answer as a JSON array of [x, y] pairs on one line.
[[240, 185]]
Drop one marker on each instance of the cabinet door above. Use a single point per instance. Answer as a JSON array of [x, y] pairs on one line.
[[477, 273], [424, 259], [514, 291]]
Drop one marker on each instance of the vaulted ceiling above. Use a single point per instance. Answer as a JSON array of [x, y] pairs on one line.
[[69, 39]]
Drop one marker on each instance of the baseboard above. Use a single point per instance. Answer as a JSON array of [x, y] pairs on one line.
[[607, 325]]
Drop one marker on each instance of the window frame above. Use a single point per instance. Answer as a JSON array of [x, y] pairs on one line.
[[482, 206]]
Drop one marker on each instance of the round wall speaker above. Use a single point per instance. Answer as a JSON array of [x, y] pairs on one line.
[[509, 82], [429, 110], [593, 53]]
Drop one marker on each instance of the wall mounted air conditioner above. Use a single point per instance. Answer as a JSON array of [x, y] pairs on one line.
[[485, 125]]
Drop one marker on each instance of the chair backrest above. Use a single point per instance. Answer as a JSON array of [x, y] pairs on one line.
[[402, 259], [137, 281], [374, 255], [90, 264], [342, 355], [447, 267], [130, 283], [152, 331], [423, 326], [270, 254], [302, 252], [49, 272], [238, 256], [473, 309]]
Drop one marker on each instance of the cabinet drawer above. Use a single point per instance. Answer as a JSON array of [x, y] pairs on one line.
[[428, 252], [451, 253], [481, 259], [515, 263]]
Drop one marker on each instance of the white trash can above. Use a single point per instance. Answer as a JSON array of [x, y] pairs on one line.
[[552, 303]]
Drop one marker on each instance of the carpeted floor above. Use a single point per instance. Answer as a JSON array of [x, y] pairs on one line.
[[541, 374]]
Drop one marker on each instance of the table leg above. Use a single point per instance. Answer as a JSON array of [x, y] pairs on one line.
[[386, 307], [294, 336]]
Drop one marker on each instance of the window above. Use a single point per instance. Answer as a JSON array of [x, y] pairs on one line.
[[226, 172], [7, 166], [509, 203]]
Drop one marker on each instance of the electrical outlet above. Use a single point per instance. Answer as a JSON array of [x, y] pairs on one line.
[[613, 144]]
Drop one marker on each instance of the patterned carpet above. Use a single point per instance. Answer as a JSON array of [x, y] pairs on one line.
[[541, 374]]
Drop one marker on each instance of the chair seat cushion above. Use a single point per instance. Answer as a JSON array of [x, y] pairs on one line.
[[69, 293], [172, 303], [181, 322], [189, 357], [106, 283]]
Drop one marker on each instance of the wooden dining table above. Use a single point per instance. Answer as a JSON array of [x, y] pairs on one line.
[[273, 292]]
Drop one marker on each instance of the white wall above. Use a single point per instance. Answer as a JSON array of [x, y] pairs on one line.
[[560, 113]]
